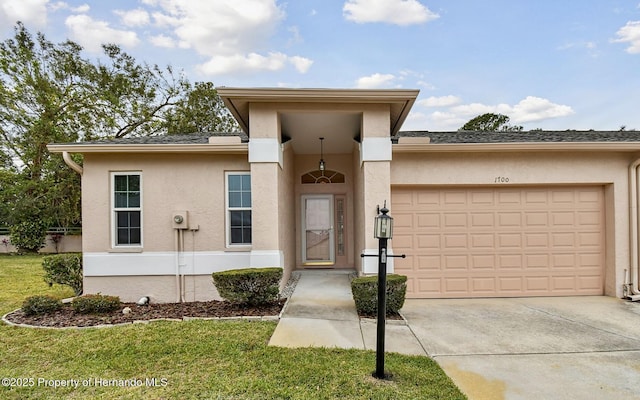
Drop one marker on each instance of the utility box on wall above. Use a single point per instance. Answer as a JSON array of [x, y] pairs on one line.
[[181, 219]]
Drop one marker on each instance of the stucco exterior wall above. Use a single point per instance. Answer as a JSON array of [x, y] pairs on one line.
[[159, 289], [541, 169], [286, 206], [170, 182]]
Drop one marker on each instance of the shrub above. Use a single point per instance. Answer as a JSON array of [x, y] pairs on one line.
[[95, 303], [39, 305], [28, 236], [251, 286], [365, 293], [64, 269]]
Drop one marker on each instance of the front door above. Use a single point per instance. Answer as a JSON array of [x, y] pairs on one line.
[[318, 246]]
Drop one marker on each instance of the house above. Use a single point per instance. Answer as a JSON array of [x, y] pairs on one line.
[[478, 214]]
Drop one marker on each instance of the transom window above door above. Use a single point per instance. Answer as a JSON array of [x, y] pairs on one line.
[[319, 176]]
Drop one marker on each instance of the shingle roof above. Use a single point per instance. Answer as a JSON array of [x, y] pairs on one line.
[[524, 137], [196, 138]]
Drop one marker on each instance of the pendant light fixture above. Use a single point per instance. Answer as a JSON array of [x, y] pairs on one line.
[[321, 165]]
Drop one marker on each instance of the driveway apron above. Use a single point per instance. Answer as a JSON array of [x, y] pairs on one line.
[[533, 348]]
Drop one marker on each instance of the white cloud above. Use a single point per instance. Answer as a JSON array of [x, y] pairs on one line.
[[375, 81], [537, 109], [442, 101], [134, 18], [30, 12], [163, 41], [84, 8], [61, 5], [529, 109], [91, 34], [224, 27], [630, 33], [301, 64], [231, 34], [398, 12], [252, 62], [453, 115]]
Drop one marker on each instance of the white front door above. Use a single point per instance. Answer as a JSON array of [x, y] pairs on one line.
[[317, 230]]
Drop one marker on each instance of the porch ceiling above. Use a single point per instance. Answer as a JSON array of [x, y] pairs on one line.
[[305, 129]]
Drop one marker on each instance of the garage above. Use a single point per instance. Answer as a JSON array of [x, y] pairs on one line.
[[499, 241]]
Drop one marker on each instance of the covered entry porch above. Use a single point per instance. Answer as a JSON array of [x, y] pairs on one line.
[[316, 216]]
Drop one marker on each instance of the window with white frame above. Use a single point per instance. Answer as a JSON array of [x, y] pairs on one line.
[[238, 208], [127, 208]]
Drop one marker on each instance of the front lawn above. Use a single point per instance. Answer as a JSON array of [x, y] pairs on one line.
[[195, 359]]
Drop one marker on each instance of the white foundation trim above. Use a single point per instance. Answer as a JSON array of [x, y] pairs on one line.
[[370, 264], [164, 263], [375, 149], [265, 150]]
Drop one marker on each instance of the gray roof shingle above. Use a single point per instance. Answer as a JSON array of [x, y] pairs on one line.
[[523, 137], [195, 138]]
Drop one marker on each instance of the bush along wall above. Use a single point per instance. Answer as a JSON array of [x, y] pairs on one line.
[[64, 269], [365, 293], [40, 305], [249, 286], [95, 304]]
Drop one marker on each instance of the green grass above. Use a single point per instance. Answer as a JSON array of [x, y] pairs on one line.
[[190, 360]]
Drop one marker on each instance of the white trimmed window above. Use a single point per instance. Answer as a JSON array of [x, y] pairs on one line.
[[238, 204], [127, 209]]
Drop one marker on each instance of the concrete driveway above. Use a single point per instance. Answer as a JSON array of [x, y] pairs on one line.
[[533, 348]]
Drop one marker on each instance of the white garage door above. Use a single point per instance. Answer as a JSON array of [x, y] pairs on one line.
[[499, 242]]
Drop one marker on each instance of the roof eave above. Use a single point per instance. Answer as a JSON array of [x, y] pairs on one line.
[[202, 148], [516, 147]]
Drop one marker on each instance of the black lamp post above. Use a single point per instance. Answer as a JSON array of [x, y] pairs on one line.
[[383, 231]]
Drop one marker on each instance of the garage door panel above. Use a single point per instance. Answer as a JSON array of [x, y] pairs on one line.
[[536, 261], [509, 241], [536, 219], [481, 220], [483, 262], [484, 241], [429, 242], [500, 242], [428, 221]]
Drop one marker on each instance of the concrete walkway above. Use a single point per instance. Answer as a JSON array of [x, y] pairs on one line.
[[321, 313], [516, 349], [533, 348]]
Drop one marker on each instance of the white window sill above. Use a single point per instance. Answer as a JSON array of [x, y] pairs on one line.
[[237, 248], [126, 250]]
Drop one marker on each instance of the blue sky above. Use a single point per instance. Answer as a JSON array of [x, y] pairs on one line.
[[547, 64]]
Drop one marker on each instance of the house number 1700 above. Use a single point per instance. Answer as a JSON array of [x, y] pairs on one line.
[[501, 179]]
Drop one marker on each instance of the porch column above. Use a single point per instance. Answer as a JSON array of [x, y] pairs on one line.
[[375, 170], [265, 158]]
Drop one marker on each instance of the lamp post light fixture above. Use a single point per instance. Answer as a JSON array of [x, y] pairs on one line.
[[384, 224], [383, 231]]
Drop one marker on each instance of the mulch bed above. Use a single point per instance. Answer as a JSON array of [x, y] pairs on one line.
[[66, 317]]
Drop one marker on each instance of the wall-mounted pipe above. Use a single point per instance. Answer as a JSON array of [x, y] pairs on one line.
[[177, 248], [631, 287], [69, 161]]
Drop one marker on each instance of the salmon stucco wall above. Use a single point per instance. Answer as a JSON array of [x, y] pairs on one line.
[[170, 182]]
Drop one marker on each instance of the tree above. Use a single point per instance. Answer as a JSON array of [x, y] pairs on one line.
[[49, 93], [201, 110], [490, 122]]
